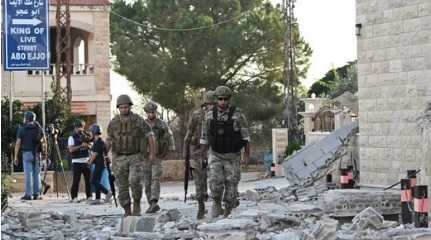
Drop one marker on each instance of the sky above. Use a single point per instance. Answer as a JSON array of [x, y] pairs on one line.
[[327, 25]]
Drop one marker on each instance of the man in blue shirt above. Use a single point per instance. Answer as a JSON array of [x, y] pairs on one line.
[[32, 142]]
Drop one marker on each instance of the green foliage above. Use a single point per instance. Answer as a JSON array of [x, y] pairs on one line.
[[10, 129], [5, 190], [336, 81], [291, 147], [55, 112], [172, 67]]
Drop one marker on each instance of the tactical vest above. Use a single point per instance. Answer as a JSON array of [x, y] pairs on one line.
[[127, 134], [81, 153], [222, 136], [161, 136]]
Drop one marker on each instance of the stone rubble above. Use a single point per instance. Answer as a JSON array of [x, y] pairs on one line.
[[262, 215]]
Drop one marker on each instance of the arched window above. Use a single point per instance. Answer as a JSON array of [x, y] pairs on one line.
[[324, 121], [79, 60]]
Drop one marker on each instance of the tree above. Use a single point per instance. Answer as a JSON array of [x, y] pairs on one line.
[[9, 130], [336, 81], [243, 49]]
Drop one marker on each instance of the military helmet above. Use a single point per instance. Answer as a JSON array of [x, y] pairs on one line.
[[209, 97], [95, 129], [124, 99], [30, 116], [78, 123], [223, 91], [150, 107]]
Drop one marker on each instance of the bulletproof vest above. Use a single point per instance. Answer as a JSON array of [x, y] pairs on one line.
[[127, 134], [78, 140], [32, 135], [222, 136], [161, 136]]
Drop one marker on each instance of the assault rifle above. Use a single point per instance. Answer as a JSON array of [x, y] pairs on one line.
[[187, 171], [111, 183]]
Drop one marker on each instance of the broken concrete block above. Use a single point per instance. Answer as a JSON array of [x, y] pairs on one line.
[[128, 224], [325, 229], [232, 235], [250, 213], [275, 222], [145, 224], [170, 215], [251, 195], [179, 235], [146, 235], [228, 224], [287, 235], [368, 218], [350, 202]]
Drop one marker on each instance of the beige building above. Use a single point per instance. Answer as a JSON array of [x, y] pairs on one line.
[[323, 115], [90, 57], [394, 78]]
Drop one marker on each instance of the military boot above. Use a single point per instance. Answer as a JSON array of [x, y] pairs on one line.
[[216, 209], [136, 208], [201, 211], [127, 210], [154, 207], [227, 211]]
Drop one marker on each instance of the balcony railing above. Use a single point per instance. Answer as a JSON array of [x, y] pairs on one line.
[[77, 69]]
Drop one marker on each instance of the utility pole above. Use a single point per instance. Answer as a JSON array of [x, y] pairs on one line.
[[290, 77], [63, 63]]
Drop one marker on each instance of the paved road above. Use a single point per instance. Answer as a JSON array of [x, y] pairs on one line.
[[172, 195]]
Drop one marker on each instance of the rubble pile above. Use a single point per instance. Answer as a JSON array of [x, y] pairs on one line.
[[56, 225], [369, 224], [259, 219]]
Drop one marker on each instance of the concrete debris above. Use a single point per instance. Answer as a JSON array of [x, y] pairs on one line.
[[324, 229], [259, 217], [368, 218], [232, 235], [276, 222], [229, 224], [169, 215], [349, 202], [312, 162], [288, 235]]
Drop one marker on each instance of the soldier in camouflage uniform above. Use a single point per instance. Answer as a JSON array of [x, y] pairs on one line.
[[199, 154], [225, 130], [128, 136], [153, 169]]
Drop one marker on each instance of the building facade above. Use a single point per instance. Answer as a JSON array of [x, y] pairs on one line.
[[89, 21], [394, 78]]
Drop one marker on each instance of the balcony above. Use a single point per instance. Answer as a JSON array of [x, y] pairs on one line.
[[83, 81], [77, 69]]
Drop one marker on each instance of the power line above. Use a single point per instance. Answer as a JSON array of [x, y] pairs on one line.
[[177, 29]]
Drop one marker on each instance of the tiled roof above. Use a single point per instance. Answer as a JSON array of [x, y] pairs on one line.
[[84, 2]]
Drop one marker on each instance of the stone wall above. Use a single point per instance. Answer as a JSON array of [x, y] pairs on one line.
[[394, 68]]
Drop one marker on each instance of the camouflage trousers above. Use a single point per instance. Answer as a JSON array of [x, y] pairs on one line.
[[152, 174], [200, 177], [224, 177], [128, 170]]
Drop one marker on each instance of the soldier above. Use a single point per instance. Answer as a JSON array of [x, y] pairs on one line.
[[153, 169], [225, 130], [198, 154], [128, 135]]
